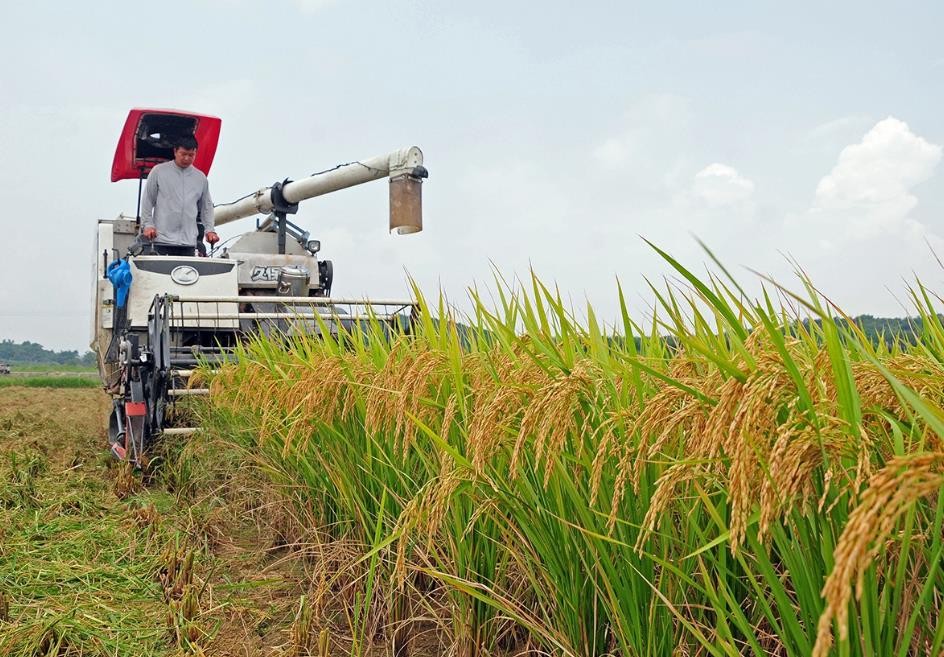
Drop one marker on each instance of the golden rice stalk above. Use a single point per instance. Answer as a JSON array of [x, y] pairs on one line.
[[552, 415], [797, 452], [610, 431], [449, 415], [425, 513], [322, 393], [665, 415], [665, 494], [400, 392], [322, 390], [891, 492], [500, 386], [670, 414], [743, 426], [874, 389]]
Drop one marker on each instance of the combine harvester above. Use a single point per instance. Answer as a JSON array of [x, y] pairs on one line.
[[155, 318]]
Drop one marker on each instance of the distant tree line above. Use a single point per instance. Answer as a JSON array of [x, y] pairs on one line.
[[888, 329], [33, 352]]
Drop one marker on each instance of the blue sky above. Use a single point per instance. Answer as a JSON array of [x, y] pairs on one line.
[[555, 134]]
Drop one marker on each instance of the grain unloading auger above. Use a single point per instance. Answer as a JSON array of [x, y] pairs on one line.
[[157, 317]]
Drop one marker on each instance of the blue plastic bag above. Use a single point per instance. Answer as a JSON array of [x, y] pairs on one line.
[[119, 273]]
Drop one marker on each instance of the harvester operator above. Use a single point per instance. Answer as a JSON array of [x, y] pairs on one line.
[[177, 199]]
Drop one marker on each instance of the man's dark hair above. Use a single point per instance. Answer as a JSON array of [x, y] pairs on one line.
[[187, 142]]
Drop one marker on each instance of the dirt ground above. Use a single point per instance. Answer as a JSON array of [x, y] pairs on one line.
[[94, 562]]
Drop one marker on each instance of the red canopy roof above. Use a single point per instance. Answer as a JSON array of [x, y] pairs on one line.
[[149, 136]]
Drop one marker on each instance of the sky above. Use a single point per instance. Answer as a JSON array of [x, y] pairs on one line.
[[557, 136]]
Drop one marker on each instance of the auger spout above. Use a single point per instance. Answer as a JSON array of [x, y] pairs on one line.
[[404, 168]]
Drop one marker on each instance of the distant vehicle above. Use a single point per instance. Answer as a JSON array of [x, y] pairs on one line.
[[4, 369]]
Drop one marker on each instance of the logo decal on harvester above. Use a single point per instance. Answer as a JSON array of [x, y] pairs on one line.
[[184, 275]]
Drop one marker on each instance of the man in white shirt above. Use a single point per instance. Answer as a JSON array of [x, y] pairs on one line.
[[176, 197]]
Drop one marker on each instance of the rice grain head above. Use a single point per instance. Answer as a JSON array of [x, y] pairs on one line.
[[891, 492]]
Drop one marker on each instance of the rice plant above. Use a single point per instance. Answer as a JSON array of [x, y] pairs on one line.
[[733, 476]]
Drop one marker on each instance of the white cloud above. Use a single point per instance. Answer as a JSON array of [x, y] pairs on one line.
[[869, 190], [859, 238], [720, 185]]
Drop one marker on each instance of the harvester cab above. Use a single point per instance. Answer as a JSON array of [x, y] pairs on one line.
[[155, 318]]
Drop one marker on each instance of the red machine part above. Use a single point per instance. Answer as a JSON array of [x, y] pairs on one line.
[[149, 135], [135, 409]]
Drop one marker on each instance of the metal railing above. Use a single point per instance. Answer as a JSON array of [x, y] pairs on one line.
[[249, 313]]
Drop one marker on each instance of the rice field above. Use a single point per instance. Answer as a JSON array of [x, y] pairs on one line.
[[730, 477], [50, 381]]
